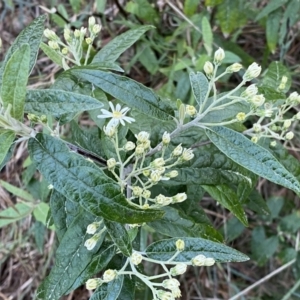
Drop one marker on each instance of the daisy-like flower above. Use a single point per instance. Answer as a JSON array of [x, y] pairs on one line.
[[118, 115]]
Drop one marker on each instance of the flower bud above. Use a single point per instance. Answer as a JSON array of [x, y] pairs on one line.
[[91, 243], [172, 174], [136, 258], [287, 124], [234, 68], [219, 56], [96, 29], [64, 51], [170, 284], [67, 35], [158, 162], [109, 130], [146, 194], [139, 150], [129, 146], [77, 33], [43, 119], [250, 91], [50, 187], [241, 116], [273, 144], [283, 82], [92, 228], [289, 136], [297, 116], [155, 176], [146, 206], [146, 173], [33, 118], [111, 163], [92, 21], [187, 154], [256, 127], [180, 245], [163, 200], [198, 260], [177, 151], [208, 68], [137, 191], [166, 138], [190, 110], [181, 113], [176, 293], [109, 275], [180, 197], [163, 295], [89, 41], [142, 137], [179, 269], [93, 283], [209, 261], [82, 31], [257, 100], [50, 34], [54, 45], [253, 71], [146, 144], [254, 139], [1, 44], [293, 98]]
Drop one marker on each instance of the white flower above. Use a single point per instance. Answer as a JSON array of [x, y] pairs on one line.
[[209, 261], [180, 197], [180, 245], [92, 228], [166, 138], [118, 115]]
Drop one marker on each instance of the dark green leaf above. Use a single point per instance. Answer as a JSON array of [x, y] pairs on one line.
[[6, 139], [257, 203], [273, 5], [128, 288], [272, 29], [233, 229], [14, 81], [207, 35], [72, 258], [176, 223], [111, 51], [142, 9], [130, 92], [107, 66], [119, 235], [83, 182], [58, 102], [228, 198], [163, 250], [291, 222], [199, 84], [109, 291], [252, 156]]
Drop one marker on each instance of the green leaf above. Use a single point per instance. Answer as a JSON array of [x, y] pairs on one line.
[[58, 102], [270, 94], [19, 192], [13, 214], [31, 35], [14, 81], [257, 203], [119, 235], [190, 7], [233, 229], [228, 198], [231, 16], [272, 5], [272, 29], [128, 288], [199, 84], [109, 291], [83, 182], [130, 92], [291, 222], [72, 258], [6, 139], [142, 9], [163, 250], [41, 211], [52, 54], [106, 65], [111, 51], [176, 223], [148, 58], [63, 212], [207, 36], [274, 76], [252, 157]]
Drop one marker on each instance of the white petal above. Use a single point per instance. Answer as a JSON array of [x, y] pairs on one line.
[[122, 122], [129, 120], [125, 110], [111, 106], [103, 116], [112, 122], [118, 107]]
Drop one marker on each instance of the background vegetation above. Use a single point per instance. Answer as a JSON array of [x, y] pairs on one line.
[[185, 36]]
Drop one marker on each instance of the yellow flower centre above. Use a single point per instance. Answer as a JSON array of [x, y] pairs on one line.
[[117, 115]]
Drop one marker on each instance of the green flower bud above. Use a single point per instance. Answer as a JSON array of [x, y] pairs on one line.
[[287, 124], [198, 260], [143, 136], [179, 269], [93, 283], [88, 40], [111, 163], [96, 29], [109, 275], [253, 71], [64, 51], [136, 258], [219, 56], [190, 110], [129, 146], [289, 136], [177, 151], [236, 67], [170, 284], [241, 116], [137, 191], [187, 154], [208, 69], [209, 261], [180, 245]]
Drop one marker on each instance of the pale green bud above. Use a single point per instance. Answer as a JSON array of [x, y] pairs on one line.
[[181, 113], [250, 91], [297, 116], [51, 35], [96, 28], [287, 124], [234, 68], [241, 116], [67, 34], [109, 275], [50, 187], [111, 163], [254, 139], [33, 118], [256, 127], [158, 162], [163, 200], [91, 243], [93, 283], [82, 31], [172, 174], [179, 269], [77, 33], [92, 21], [136, 258], [283, 82], [110, 130], [187, 154], [142, 137], [198, 260], [88, 40], [146, 173], [273, 144], [258, 100], [180, 245], [92, 228], [253, 71], [146, 194], [139, 150], [163, 295], [208, 68], [180, 197], [177, 151], [176, 293], [190, 110], [209, 261], [219, 56], [289, 136], [155, 176], [146, 144], [137, 191], [129, 146], [166, 138], [54, 45], [170, 284], [65, 51]]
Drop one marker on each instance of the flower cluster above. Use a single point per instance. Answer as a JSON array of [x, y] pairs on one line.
[[74, 43], [96, 229]]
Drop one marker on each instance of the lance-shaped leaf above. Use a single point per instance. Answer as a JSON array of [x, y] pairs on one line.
[[31, 35], [109, 291], [226, 196], [83, 182], [14, 81], [163, 250], [130, 92], [119, 235], [199, 84], [252, 156], [72, 258], [111, 51], [6, 139], [52, 54], [58, 102]]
